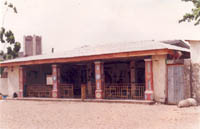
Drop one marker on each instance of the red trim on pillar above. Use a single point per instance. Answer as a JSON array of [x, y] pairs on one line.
[[22, 81], [56, 80], [148, 80], [99, 76]]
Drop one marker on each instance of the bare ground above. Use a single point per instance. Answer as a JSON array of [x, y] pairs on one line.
[[79, 115]]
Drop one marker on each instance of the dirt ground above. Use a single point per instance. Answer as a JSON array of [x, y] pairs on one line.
[[15, 114]]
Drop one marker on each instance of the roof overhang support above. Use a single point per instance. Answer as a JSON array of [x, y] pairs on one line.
[[90, 58]]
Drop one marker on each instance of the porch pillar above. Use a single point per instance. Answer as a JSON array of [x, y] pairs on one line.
[[89, 81], [148, 80], [132, 78], [56, 80], [99, 75], [22, 81]]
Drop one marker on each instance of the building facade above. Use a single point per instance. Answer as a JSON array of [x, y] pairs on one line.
[[137, 70]]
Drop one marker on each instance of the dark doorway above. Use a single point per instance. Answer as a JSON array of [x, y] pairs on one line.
[[74, 75]]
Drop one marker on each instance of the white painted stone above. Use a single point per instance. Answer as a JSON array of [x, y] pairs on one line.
[[187, 103]]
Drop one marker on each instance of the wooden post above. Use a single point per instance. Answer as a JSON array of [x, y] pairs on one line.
[[99, 75], [83, 91], [89, 82], [148, 80], [22, 81], [132, 78], [56, 80]]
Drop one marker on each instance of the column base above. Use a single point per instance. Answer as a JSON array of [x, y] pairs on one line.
[[133, 90], [54, 94], [20, 95], [99, 94], [148, 95]]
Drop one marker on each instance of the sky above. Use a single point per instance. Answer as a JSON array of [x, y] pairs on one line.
[[68, 24]]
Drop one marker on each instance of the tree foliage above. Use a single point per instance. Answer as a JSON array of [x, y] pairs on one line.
[[13, 48], [7, 37], [10, 5], [195, 13]]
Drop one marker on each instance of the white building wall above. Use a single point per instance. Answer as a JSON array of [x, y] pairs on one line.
[[4, 86], [159, 77], [195, 59], [13, 80], [195, 51]]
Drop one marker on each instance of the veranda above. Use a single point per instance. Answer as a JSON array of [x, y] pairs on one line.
[[106, 79]]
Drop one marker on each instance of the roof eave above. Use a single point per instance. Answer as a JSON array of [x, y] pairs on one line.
[[89, 58], [192, 41]]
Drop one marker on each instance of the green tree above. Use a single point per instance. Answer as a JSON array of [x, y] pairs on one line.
[[7, 38], [194, 15]]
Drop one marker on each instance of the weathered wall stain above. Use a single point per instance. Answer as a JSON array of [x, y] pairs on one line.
[[196, 81], [187, 78]]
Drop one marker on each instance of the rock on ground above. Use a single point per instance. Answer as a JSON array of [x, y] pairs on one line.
[[187, 103]]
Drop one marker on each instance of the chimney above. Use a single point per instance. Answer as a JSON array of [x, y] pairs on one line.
[[32, 45], [28, 45], [37, 45]]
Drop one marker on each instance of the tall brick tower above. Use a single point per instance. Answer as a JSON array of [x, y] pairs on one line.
[[32, 45]]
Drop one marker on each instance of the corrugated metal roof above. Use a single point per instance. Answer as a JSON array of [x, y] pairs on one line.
[[103, 49], [180, 43]]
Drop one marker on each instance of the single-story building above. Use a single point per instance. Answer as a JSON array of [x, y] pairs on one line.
[[145, 70]]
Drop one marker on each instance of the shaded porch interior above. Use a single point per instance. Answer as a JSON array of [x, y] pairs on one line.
[[36, 83], [122, 79]]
